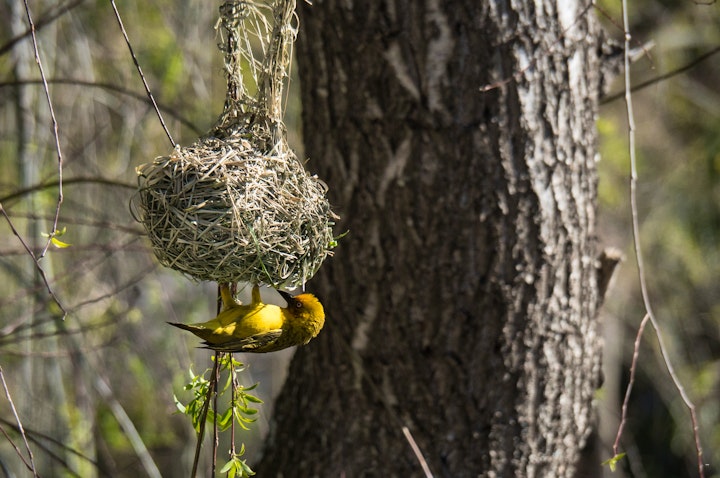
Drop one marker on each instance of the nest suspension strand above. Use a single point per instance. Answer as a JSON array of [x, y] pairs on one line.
[[238, 205]]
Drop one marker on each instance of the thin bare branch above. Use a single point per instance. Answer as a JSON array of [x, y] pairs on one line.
[[111, 87], [127, 426], [39, 268], [216, 433], [375, 389], [8, 339], [665, 76], [56, 133], [418, 453], [638, 250], [631, 382], [47, 19], [89, 222], [19, 424], [35, 437], [78, 180], [203, 418], [15, 447], [683, 394], [233, 397], [142, 76]]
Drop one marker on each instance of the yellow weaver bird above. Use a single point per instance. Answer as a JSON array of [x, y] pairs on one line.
[[259, 327]]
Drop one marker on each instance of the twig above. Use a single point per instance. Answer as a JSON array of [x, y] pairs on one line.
[[35, 437], [216, 434], [89, 222], [677, 71], [212, 388], [39, 268], [357, 360], [15, 447], [203, 419], [111, 87], [7, 338], [233, 397], [607, 262], [127, 426], [142, 76], [218, 357], [56, 133], [685, 398], [638, 251], [48, 19], [51, 184], [418, 453], [67, 469], [631, 382], [19, 425]]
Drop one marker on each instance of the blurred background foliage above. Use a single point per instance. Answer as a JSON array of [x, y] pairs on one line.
[[73, 380]]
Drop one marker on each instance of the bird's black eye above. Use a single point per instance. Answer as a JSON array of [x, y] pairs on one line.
[[298, 305]]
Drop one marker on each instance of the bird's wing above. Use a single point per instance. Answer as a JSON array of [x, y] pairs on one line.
[[254, 343], [233, 317]]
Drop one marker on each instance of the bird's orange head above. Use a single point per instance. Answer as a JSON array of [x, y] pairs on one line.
[[303, 304], [305, 312]]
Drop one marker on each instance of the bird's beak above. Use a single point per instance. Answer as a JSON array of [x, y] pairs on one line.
[[285, 295]]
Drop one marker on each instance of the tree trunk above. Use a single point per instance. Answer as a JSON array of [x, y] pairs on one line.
[[462, 303]]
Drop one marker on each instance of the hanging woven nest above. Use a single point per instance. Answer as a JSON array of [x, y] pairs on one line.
[[238, 205]]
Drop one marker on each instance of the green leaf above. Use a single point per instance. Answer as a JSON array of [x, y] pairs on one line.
[[612, 462], [253, 398], [238, 412], [228, 465], [246, 470], [334, 242], [225, 420], [236, 465], [58, 243], [179, 405], [54, 238], [57, 233]]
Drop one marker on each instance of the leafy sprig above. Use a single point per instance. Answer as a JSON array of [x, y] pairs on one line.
[[240, 411]]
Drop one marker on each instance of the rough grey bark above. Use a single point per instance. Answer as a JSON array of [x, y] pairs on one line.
[[462, 304]]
